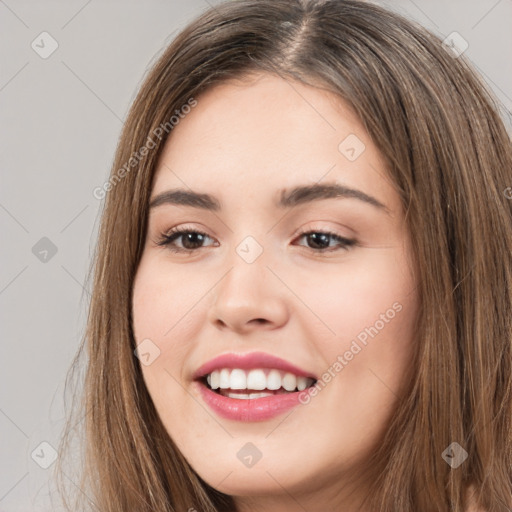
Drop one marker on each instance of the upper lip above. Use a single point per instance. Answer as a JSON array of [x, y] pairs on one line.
[[249, 361]]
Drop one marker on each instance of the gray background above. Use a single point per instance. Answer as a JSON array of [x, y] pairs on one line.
[[61, 117]]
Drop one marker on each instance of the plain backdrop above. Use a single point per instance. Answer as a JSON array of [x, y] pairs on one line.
[[61, 115]]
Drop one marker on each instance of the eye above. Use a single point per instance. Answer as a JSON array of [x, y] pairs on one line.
[[190, 243], [321, 239], [191, 240]]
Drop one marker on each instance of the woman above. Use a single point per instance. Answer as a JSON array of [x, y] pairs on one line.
[[303, 283]]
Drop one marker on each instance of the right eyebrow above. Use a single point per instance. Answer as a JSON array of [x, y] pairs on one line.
[[186, 198]]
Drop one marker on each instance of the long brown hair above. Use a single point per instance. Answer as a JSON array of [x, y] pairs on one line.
[[438, 128]]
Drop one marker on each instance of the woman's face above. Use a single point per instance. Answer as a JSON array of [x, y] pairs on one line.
[[317, 277]]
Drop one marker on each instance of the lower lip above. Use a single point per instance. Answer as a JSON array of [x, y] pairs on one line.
[[258, 409]]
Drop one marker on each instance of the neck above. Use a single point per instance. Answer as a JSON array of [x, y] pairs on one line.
[[339, 494]]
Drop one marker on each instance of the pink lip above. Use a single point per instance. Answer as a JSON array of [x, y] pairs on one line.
[[249, 361], [258, 409]]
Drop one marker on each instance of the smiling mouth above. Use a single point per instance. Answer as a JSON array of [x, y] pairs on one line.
[[255, 383]]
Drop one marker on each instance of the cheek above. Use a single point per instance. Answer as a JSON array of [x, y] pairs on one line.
[[163, 300], [345, 420], [161, 312], [352, 295], [371, 305]]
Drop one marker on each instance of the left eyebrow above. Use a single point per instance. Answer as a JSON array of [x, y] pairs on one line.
[[288, 199], [307, 193]]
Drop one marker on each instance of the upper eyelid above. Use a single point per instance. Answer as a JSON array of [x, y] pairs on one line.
[[177, 232], [186, 229]]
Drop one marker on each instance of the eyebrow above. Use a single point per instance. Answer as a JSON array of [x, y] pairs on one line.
[[289, 198]]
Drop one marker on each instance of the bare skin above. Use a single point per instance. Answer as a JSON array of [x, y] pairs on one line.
[[243, 143]]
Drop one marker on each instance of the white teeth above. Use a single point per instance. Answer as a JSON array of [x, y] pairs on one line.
[[214, 379], [246, 396], [259, 395], [238, 379], [274, 379], [302, 383], [257, 379], [289, 382], [224, 379]]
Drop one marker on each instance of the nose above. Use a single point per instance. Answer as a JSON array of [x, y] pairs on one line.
[[249, 297]]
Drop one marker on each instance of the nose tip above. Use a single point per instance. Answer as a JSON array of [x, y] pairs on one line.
[[246, 300], [255, 322], [239, 322]]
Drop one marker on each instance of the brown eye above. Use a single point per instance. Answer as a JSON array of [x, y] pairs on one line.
[[191, 240], [319, 240]]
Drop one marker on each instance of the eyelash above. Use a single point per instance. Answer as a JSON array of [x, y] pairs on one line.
[[167, 239]]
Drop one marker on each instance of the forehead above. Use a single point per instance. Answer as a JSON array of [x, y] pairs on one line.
[[266, 134]]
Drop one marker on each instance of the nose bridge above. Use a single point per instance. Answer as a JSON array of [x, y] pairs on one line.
[[248, 291], [248, 271]]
